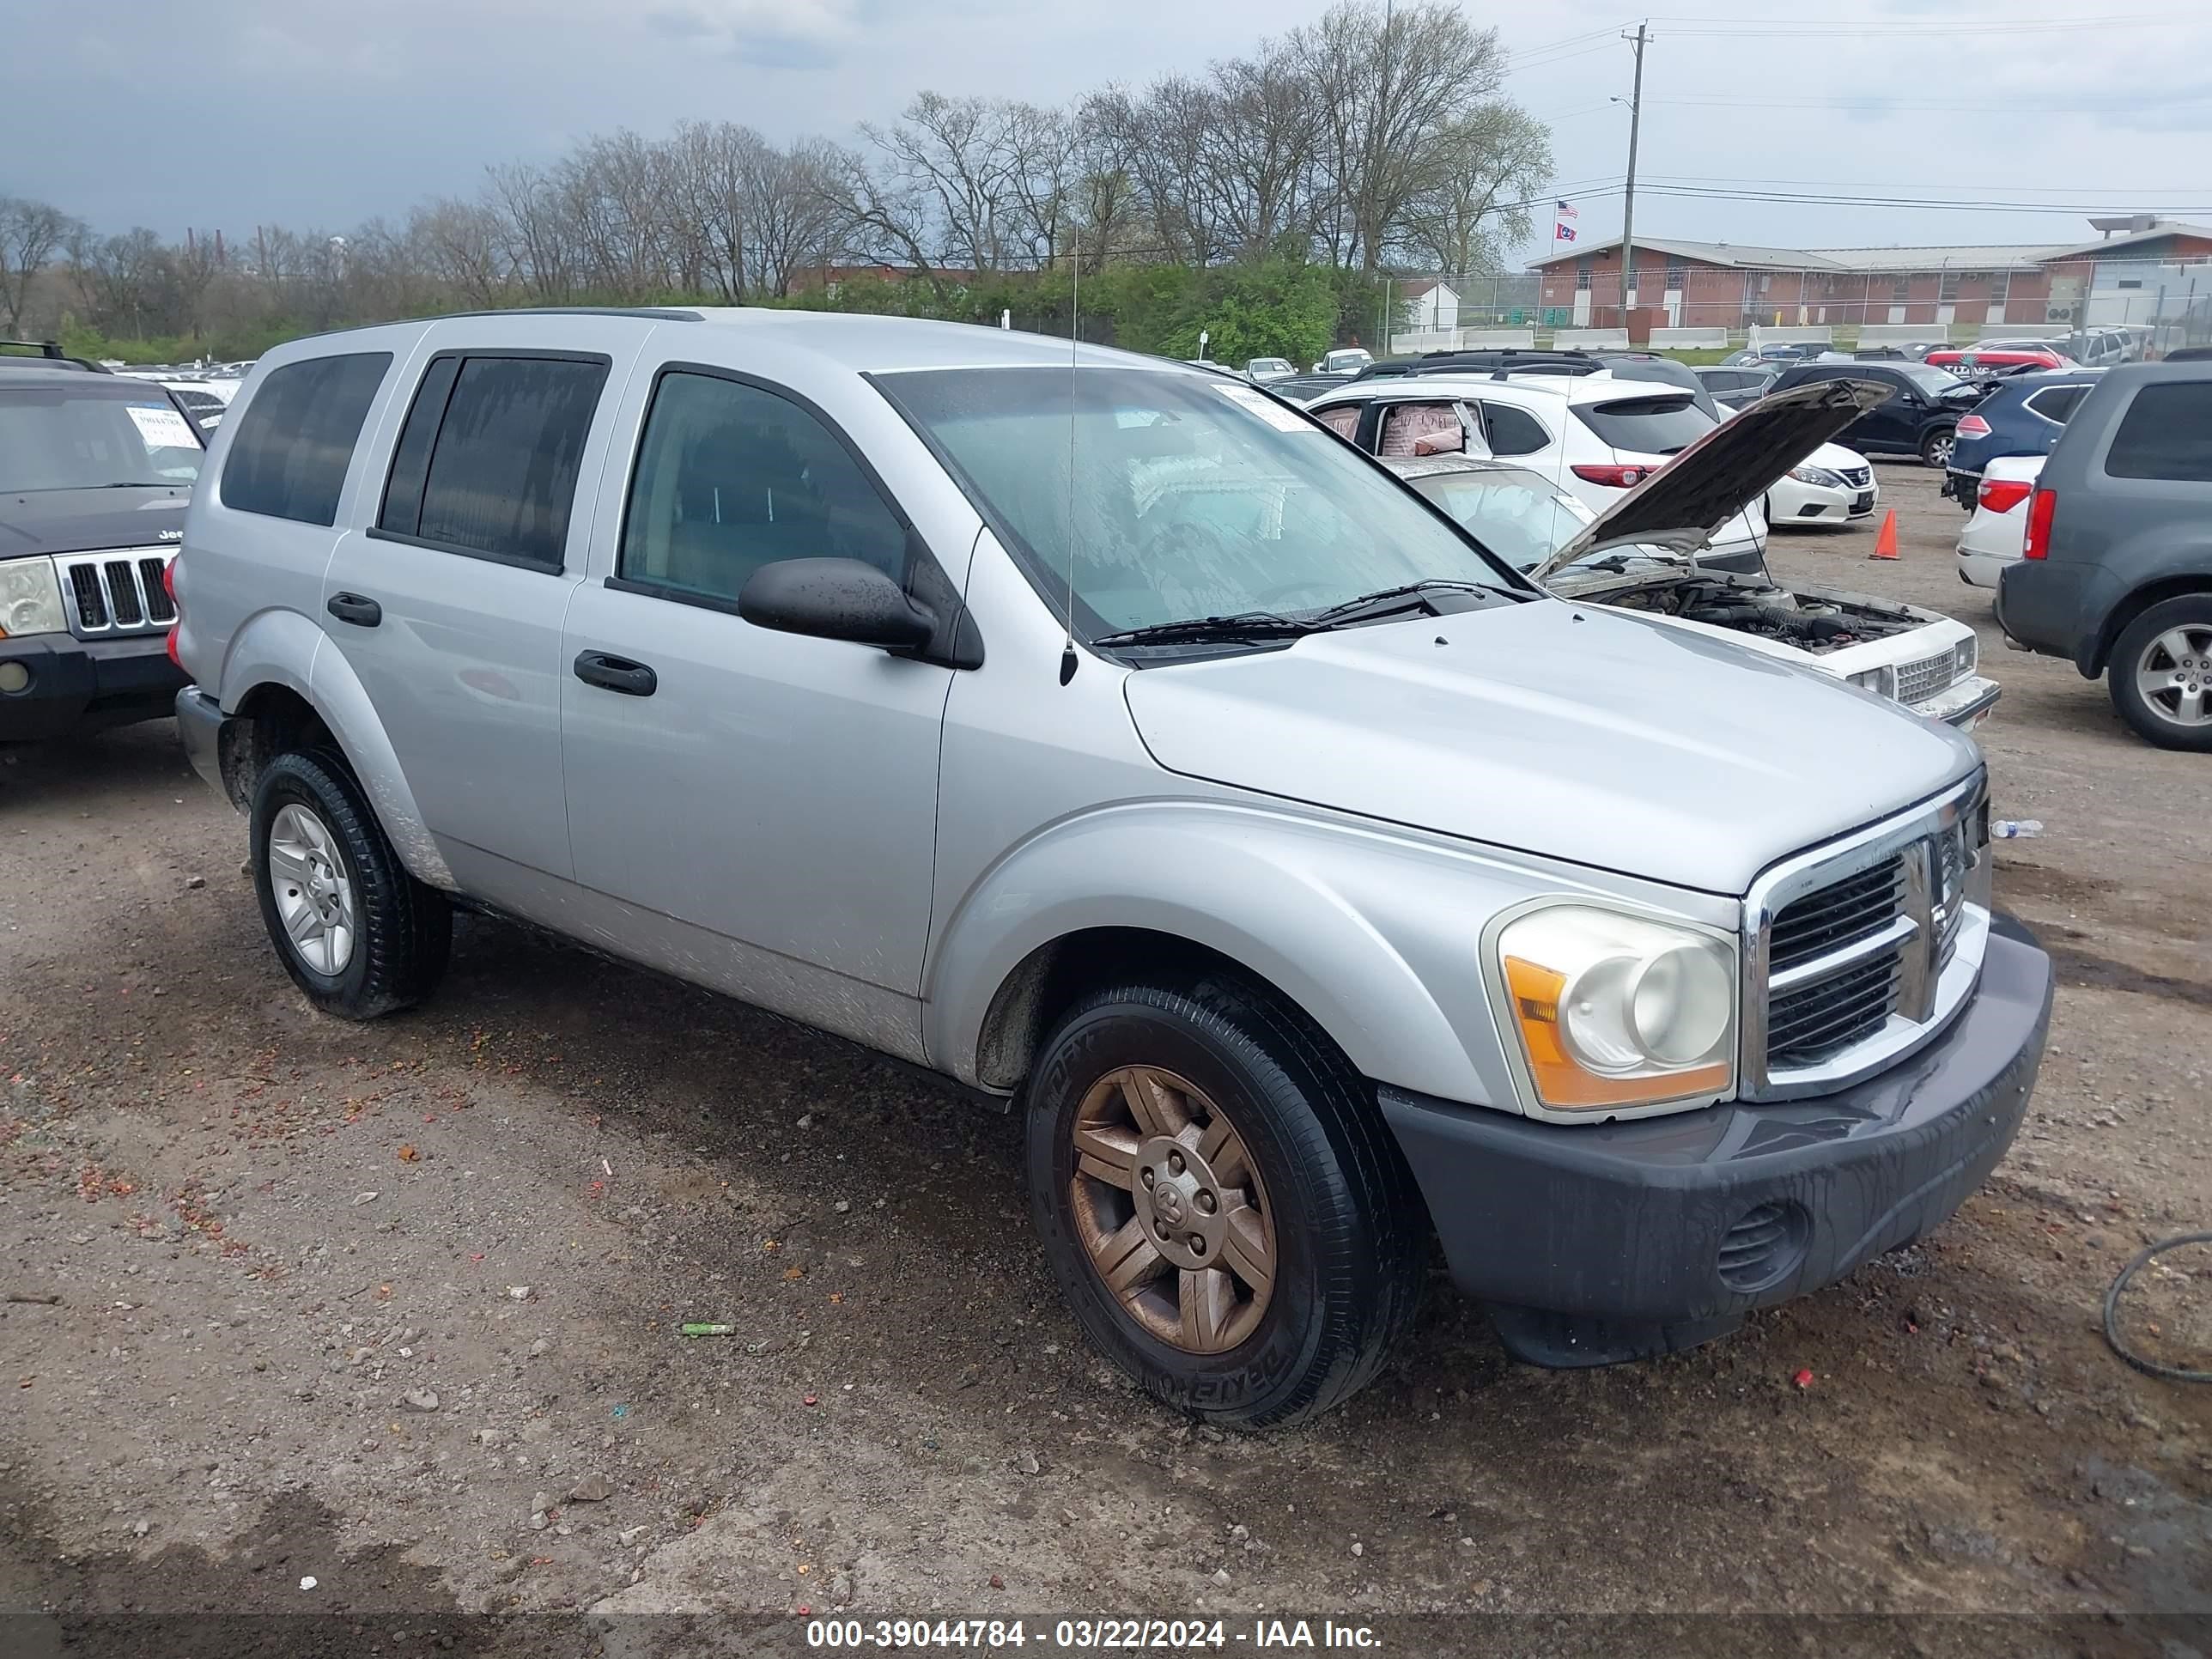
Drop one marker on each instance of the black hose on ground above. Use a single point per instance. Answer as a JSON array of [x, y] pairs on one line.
[[2150, 1367]]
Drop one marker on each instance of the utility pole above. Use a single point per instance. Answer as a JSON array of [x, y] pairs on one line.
[[1628, 207]]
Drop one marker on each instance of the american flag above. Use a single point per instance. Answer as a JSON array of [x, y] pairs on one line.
[[1568, 210]]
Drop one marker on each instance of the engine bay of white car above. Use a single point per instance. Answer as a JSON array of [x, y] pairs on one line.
[[1809, 619]]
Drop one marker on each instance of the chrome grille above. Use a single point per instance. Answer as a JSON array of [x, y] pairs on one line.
[[1917, 682], [117, 595], [1849, 948], [160, 607], [1818, 1021], [1836, 915], [1858, 478]]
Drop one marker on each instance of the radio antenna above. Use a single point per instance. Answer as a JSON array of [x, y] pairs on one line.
[[1074, 329]]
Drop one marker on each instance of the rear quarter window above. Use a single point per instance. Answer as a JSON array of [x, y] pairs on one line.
[[290, 454], [2056, 402], [2166, 433]]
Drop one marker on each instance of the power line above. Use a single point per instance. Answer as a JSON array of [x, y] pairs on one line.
[[2026, 103], [2068, 209], [1886, 184]]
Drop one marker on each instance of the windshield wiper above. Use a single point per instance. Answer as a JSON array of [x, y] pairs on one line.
[[1383, 601], [1200, 630]]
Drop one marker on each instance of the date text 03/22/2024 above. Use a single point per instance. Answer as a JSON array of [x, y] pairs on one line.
[[1143, 1635]]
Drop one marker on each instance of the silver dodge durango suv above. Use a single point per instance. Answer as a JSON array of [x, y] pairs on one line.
[[1110, 736]]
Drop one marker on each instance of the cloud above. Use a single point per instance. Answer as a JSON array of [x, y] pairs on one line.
[[805, 36]]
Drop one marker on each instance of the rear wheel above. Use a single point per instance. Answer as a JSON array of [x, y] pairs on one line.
[[1936, 446], [2160, 673], [1220, 1200], [355, 932]]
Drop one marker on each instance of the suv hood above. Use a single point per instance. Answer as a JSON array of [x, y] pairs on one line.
[[1688, 502], [87, 520], [1568, 731]]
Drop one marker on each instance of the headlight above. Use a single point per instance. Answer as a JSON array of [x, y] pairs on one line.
[[1964, 658], [1882, 682], [1817, 475], [30, 598], [1617, 1011]]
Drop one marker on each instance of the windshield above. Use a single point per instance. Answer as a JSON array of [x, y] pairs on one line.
[[1190, 497], [59, 437], [1517, 514], [1932, 380]]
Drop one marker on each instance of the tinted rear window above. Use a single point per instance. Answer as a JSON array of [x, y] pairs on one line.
[[1650, 426], [2166, 433], [289, 457], [489, 459], [2057, 403]]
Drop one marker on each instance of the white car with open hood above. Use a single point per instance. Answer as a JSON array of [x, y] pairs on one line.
[[1639, 556]]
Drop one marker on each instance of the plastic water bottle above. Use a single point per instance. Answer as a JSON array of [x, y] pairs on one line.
[[2015, 828]]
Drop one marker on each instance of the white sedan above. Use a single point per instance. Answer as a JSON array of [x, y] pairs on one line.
[[1832, 485], [1995, 535]]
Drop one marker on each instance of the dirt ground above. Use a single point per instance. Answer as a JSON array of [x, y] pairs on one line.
[[394, 1308]]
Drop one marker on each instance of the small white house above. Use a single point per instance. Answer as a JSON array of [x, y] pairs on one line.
[[1431, 304]]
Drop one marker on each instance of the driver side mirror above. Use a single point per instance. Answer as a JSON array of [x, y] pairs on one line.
[[835, 599]]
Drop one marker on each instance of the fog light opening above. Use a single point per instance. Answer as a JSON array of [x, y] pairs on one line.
[[14, 677]]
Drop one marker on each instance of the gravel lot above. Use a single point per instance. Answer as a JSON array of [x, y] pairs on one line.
[[394, 1307]]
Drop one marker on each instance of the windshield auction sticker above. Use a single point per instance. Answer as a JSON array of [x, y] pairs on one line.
[[161, 426], [1265, 407]]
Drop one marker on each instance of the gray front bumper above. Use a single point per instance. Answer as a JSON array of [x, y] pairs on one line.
[[199, 722]]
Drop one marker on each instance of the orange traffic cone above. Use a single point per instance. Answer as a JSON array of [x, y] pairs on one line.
[[1884, 543]]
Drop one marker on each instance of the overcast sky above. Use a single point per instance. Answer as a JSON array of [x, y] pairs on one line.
[[322, 113]]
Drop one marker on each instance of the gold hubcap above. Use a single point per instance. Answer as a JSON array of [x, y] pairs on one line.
[[1170, 1210]]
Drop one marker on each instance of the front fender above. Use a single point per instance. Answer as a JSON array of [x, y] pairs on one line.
[[283, 648], [1374, 935]]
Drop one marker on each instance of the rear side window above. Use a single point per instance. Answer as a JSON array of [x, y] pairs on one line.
[[1649, 426], [487, 462], [2057, 403], [731, 477], [2166, 433], [289, 457], [1513, 431], [1343, 419]]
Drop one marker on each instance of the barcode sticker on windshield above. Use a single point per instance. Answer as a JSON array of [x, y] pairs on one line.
[[1265, 407], [162, 428]]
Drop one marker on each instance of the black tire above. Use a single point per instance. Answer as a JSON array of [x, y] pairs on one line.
[[402, 933], [2137, 649], [1935, 446], [1351, 1231]]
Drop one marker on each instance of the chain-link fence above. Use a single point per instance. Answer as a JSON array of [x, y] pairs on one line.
[[1691, 303]]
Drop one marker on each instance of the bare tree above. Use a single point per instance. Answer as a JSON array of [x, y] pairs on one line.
[[1390, 83], [459, 245], [1490, 163], [31, 233]]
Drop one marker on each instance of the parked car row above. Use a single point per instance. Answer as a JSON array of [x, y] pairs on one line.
[[1107, 736]]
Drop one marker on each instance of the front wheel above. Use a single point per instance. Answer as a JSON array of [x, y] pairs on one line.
[[1935, 448], [1221, 1201], [357, 933], [2160, 673]]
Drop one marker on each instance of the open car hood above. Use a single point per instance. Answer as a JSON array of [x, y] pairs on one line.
[[1684, 504]]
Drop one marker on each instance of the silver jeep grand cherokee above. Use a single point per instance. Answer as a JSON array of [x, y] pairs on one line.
[[1110, 736]]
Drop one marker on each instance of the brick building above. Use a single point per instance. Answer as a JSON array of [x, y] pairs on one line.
[[2139, 265]]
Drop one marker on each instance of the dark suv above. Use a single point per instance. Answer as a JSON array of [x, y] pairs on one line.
[[94, 473], [2117, 572], [1921, 417], [2022, 416]]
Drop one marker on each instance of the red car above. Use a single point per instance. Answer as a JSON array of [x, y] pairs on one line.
[[2001, 354]]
